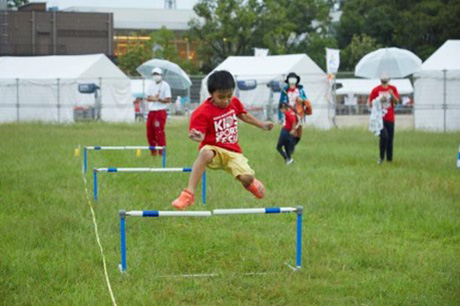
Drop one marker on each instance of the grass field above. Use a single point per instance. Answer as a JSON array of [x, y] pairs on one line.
[[373, 235]]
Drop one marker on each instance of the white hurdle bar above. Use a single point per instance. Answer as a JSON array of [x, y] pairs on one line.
[[216, 212], [98, 148], [133, 170]]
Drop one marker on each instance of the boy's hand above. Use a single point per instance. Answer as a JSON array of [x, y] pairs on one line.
[[267, 125], [196, 135]]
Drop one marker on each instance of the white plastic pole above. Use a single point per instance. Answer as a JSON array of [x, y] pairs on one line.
[[123, 148], [247, 211], [143, 169], [159, 213]]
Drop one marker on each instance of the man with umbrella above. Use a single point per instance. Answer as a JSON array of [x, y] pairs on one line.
[[158, 97], [389, 96]]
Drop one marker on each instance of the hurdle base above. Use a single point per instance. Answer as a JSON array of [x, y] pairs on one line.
[[121, 269], [294, 269]]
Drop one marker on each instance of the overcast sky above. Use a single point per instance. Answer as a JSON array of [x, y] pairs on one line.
[[180, 4]]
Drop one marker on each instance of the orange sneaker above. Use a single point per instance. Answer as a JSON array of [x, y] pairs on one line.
[[256, 188], [186, 198]]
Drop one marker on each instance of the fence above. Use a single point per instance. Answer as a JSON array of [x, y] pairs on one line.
[[58, 100]]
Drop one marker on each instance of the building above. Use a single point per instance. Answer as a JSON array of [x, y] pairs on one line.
[[133, 26], [32, 30]]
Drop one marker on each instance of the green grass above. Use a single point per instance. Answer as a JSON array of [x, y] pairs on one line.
[[373, 235]]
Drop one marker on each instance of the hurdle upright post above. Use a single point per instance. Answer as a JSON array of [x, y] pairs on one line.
[[95, 184], [122, 214], [203, 188], [163, 153], [85, 159], [299, 237]]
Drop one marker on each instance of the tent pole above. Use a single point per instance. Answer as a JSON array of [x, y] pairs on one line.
[[445, 97], [17, 100], [58, 100]]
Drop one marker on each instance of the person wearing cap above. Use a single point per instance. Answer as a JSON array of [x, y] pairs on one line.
[[294, 95], [389, 96], [158, 97]]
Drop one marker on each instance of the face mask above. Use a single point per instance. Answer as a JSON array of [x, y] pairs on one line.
[[292, 81], [157, 78]]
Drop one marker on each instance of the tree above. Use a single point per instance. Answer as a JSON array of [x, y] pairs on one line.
[[227, 27], [162, 45], [16, 3], [421, 26], [360, 45], [236, 27]]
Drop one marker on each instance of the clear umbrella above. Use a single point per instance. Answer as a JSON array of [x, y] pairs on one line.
[[172, 73], [395, 62]]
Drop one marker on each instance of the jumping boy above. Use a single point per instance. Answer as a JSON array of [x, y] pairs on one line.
[[214, 124]]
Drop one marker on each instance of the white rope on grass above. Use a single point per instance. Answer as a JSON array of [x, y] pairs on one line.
[[107, 280]]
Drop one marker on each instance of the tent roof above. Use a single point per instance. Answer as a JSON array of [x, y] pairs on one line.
[[269, 67], [447, 57], [365, 86], [59, 66]]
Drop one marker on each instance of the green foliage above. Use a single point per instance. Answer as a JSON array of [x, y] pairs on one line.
[[373, 234], [236, 27], [16, 3], [134, 56], [419, 26], [161, 45], [359, 46]]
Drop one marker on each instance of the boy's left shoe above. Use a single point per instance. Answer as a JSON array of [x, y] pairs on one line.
[[185, 199], [256, 188]]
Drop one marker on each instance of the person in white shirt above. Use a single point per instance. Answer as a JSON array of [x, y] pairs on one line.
[[158, 97]]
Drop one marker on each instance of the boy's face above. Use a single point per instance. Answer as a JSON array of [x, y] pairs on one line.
[[222, 98]]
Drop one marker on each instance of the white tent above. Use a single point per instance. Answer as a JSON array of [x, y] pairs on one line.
[[45, 88], [364, 86], [264, 69], [437, 90]]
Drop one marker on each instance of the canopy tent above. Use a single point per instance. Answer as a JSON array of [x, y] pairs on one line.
[[364, 86], [437, 90], [139, 87], [264, 69], [45, 88]]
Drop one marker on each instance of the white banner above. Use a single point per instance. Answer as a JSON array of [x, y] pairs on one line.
[[332, 60], [260, 52]]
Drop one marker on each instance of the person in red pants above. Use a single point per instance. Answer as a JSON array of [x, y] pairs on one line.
[[158, 98]]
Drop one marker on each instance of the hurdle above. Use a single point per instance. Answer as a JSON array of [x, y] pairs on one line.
[[216, 212], [99, 148], [156, 170], [458, 158]]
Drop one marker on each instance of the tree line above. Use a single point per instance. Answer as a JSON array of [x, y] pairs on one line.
[[235, 27]]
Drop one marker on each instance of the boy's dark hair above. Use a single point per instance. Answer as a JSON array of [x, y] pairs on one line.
[[220, 80]]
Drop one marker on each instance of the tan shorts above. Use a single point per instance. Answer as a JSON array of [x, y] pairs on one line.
[[232, 162]]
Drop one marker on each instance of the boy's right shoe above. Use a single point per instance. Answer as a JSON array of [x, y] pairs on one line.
[[289, 161], [185, 199], [256, 188]]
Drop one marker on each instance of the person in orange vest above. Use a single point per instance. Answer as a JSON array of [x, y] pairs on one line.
[[294, 95]]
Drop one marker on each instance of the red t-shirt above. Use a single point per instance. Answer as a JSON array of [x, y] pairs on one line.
[[377, 91], [290, 120], [220, 125]]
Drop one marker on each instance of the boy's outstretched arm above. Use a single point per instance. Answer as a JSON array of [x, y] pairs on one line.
[[196, 135], [248, 118]]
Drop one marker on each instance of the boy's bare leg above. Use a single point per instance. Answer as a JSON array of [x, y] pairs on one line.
[[245, 179], [253, 185], [187, 196], [199, 166]]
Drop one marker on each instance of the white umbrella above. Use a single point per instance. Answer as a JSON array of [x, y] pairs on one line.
[[395, 62], [172, 73]]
